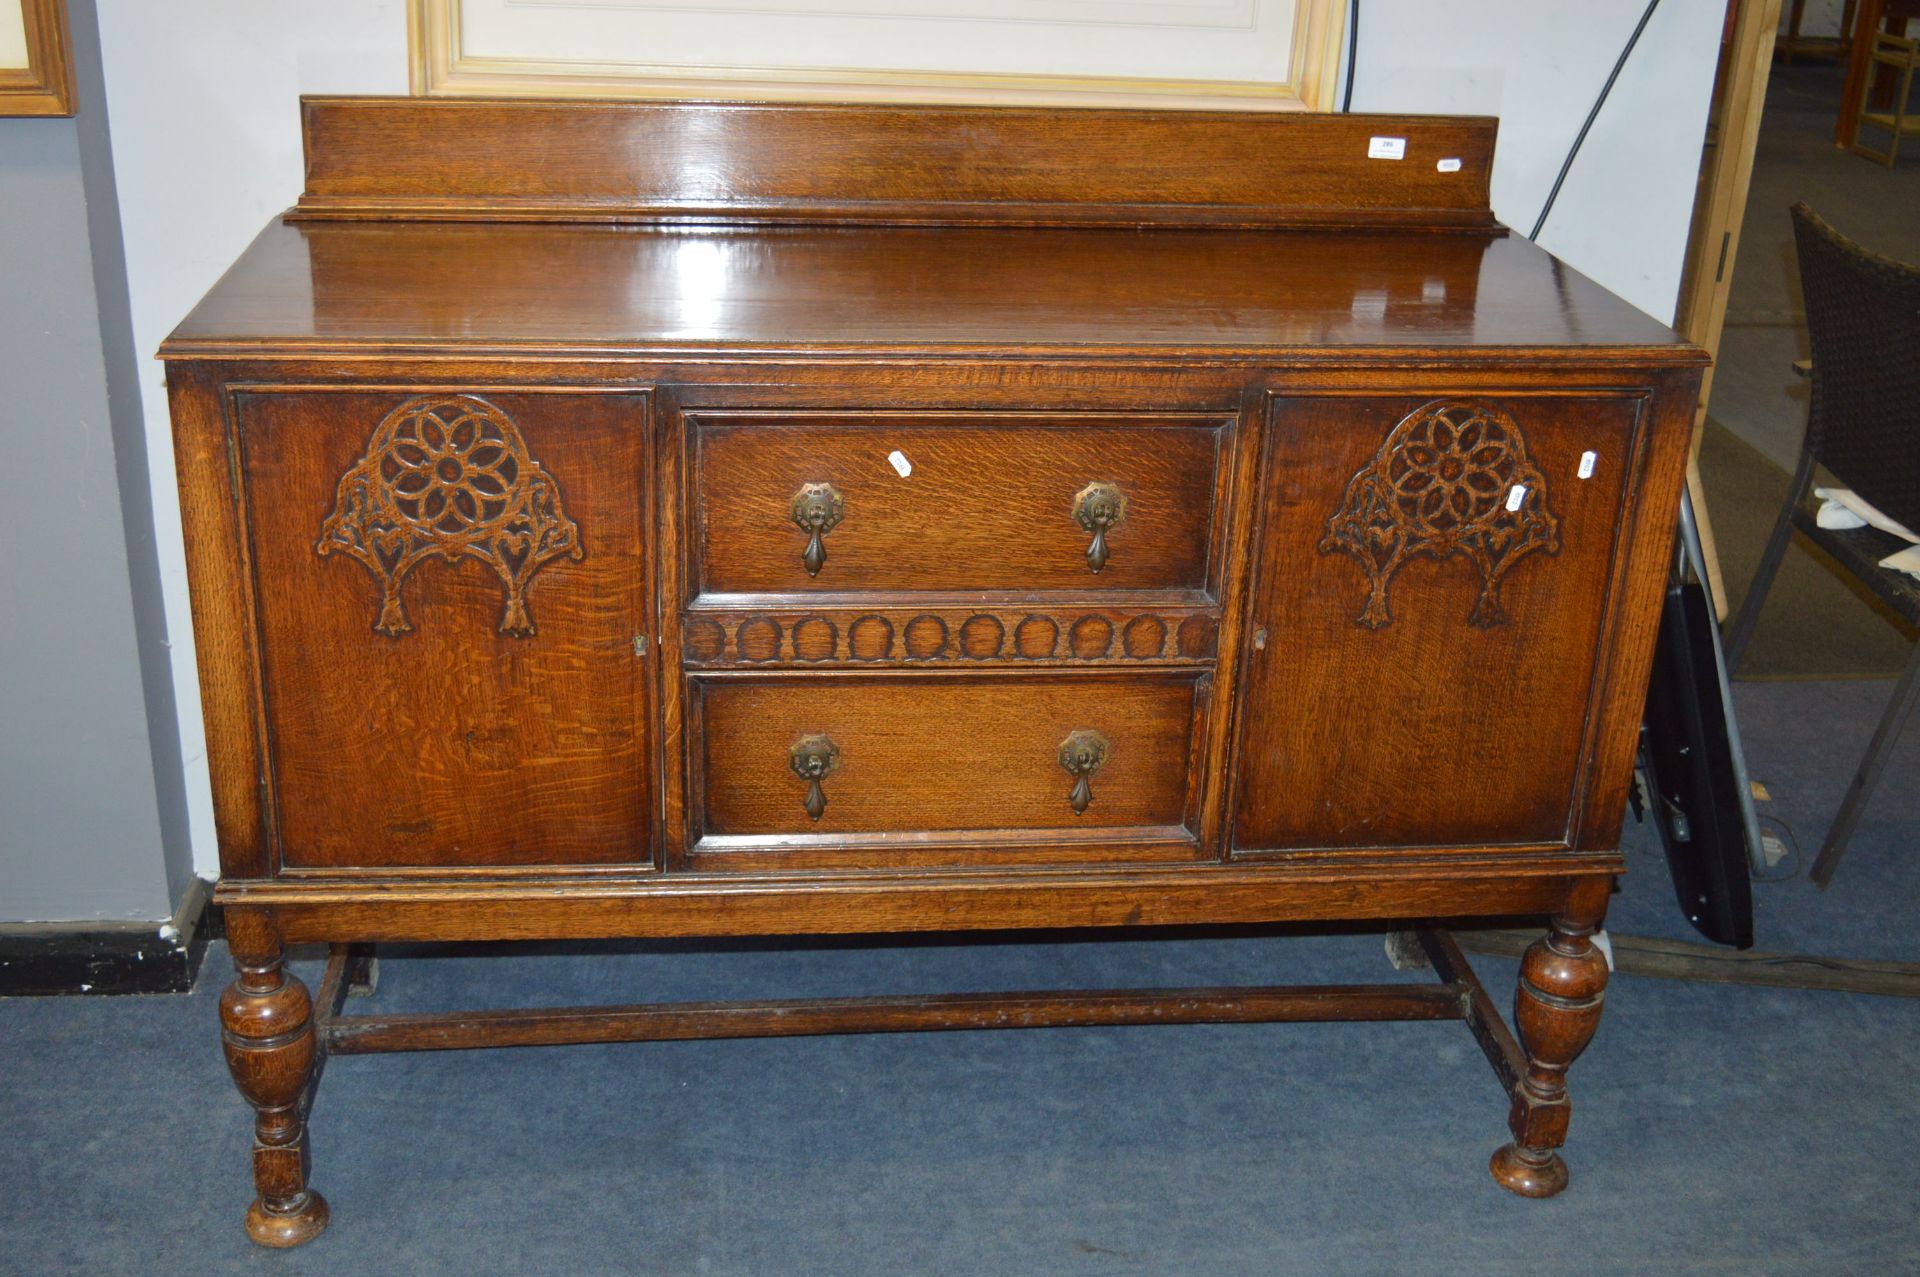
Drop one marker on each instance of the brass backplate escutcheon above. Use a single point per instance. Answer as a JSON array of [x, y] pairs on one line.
[[1452, 478], [816, 510], [1083, 753], [812, 757], [1099, 507], [449, 475]]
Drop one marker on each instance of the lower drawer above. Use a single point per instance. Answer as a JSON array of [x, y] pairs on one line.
[[879, 769]]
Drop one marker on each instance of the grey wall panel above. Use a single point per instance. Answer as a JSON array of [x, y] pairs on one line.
[[80, 812]]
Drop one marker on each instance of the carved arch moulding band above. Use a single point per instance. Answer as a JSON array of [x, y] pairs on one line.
[[1452, 478], [449, 475]]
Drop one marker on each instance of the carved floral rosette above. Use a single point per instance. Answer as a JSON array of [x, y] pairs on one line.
[[449, 476], [1452, 478]]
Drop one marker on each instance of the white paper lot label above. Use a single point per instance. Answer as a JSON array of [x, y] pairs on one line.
[[1387, 148]]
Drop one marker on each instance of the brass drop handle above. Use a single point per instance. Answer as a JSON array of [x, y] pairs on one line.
[[1098, 508], [817, 510], [1082, 753], [811, 758]]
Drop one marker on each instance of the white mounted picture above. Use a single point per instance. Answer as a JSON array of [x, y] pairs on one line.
[[1236, 54]]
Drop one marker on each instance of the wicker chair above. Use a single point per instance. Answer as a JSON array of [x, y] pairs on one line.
[[1863, 427]]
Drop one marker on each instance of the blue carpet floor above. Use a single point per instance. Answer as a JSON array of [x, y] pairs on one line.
[[1717, 1129]]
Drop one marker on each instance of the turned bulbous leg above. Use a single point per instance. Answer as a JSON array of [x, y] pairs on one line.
[[1563, 978], [266, 1021]]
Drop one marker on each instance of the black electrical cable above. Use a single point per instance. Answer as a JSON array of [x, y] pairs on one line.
[[1353, 51], [1598, 102]]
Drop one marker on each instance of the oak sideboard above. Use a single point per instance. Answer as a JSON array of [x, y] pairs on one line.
[[721, 519]]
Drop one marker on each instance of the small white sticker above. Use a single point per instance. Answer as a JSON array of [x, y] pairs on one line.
[[1515, 495], [1587, 460], [901, 465], [1387, 148], [1448, 165]]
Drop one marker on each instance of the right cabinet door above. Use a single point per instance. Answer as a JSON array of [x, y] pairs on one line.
[[1431, 586]]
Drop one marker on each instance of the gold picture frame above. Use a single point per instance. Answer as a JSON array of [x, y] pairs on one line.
[[438, 68], [44, 86]]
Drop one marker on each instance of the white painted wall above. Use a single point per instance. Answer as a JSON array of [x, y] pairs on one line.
[[1622, 216], [207, 148], [206, 144]]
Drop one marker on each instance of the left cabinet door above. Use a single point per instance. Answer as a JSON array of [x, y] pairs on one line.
[[448, 589]]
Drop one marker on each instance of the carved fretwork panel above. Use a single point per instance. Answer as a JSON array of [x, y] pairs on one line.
[[449, 476], [1453, 478]]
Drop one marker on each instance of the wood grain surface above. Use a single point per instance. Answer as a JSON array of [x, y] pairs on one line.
[[988, 504], [1429, 729], [452, 744], [943, 754], [356, 288], [452, 157]]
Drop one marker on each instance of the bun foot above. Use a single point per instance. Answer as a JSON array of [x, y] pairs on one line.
[[1530, 1172], [291, 1228]]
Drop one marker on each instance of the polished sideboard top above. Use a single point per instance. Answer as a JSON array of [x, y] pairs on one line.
[[553, 289]]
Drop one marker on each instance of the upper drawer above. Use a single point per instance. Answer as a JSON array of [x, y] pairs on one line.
[[836, 502]]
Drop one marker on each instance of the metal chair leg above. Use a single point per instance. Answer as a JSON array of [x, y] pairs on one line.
[[1905, 696], [1743, 625]]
